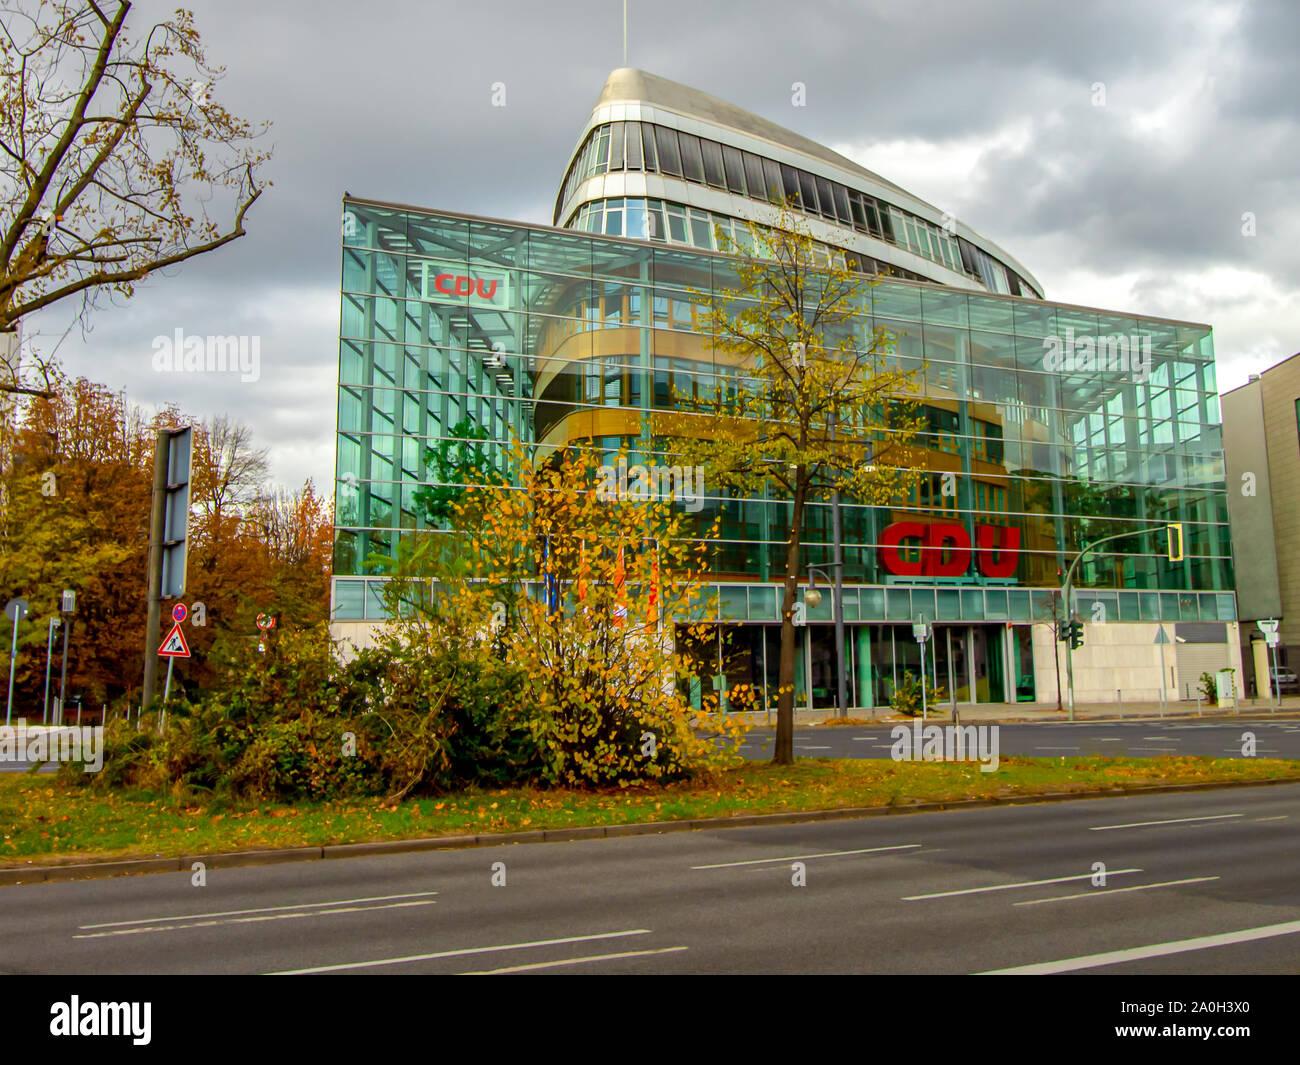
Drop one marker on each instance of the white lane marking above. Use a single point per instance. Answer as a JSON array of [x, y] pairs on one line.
[[1166, 739], [1115, 891], [458, 953], [252, 920], [886, 746], [1279, 817], [803, 857], [865, 737], [807, 747], [1155, 950], [260, 909], [1017, 884], [1110, 739], [1153, 748], [1170, 821], [574, 961]]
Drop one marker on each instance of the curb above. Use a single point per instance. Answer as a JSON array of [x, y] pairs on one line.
[[1222, 719], [38, 874]]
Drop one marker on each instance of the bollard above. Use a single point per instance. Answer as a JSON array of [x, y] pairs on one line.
[[1198, 704], [1120, 696]]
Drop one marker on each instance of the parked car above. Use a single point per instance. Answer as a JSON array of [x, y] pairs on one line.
[[1287, 680]]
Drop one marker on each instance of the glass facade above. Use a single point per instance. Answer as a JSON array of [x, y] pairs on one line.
[[652, 148], [1046, 427], [694, 227]]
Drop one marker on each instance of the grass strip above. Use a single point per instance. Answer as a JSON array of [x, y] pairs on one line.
[[46, 822]]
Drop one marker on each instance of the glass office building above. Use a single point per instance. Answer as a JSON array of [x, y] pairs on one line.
[[1046, 426], [560, 337]]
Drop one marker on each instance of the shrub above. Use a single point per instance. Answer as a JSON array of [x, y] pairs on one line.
[[907, 697]]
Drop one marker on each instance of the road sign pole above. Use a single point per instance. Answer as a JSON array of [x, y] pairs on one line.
[[49, 661], [156, 533], [13, 658], [921, 630], [1277, 688], [1269, 627], [167, 690], [924, 707], [63, 673], [173, 646]]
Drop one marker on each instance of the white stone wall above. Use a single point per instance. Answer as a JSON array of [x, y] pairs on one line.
[[1115, 657], [352, 636]]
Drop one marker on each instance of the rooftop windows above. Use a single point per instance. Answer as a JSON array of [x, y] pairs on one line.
[[643, 146]]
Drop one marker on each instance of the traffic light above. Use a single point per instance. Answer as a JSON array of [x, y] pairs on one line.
[[1076, 635], [1174, 533], [1062, 631]]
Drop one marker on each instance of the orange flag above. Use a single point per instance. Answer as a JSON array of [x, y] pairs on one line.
[[652, 615], [582, 572], [620, 579]]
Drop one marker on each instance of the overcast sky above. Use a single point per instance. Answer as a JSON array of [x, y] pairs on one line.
[[988, 110]]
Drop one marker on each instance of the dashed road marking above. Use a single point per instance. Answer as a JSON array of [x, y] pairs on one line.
[[460, 953], [574, 961], [260, 909], [804, 857], [1017, 884], [1115, 891], [1169, 821]]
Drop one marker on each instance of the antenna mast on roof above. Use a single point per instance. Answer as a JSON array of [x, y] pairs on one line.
[[625, 32]]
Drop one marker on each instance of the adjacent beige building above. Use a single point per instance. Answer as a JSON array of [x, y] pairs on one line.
[[1261, 440]]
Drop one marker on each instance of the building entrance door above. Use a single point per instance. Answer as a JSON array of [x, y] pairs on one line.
[[951, 663], [970, 663]]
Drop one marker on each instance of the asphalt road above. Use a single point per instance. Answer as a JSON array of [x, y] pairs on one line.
[[1140, 739], [967, 891]]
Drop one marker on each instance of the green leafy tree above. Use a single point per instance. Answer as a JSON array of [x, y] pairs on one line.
[[459, 460], [817, 405]]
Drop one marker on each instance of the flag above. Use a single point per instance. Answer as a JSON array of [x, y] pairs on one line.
[[552, 583], [652, 615], [582, 571], [620, 579]]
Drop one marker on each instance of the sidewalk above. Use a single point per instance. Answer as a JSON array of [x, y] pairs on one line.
[[1046, 713]]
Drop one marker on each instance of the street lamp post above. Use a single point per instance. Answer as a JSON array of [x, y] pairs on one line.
[[813, 597], [838, 606]]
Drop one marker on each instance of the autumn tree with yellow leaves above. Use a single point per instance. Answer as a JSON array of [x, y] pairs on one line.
[[585, 597], [819, 406], [117, 160]]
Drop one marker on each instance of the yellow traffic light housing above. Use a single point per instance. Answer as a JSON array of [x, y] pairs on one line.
[[1175, 534]]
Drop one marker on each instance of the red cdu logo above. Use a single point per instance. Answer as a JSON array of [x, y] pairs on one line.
[[461, 285], [946, 549], [479, 285]]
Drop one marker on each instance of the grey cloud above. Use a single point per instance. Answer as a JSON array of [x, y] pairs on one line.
[[392, 100]]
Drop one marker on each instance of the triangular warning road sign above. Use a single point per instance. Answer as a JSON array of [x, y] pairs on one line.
[[174, 646]]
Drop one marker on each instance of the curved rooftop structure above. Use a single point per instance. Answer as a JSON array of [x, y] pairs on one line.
[[664, 162]]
